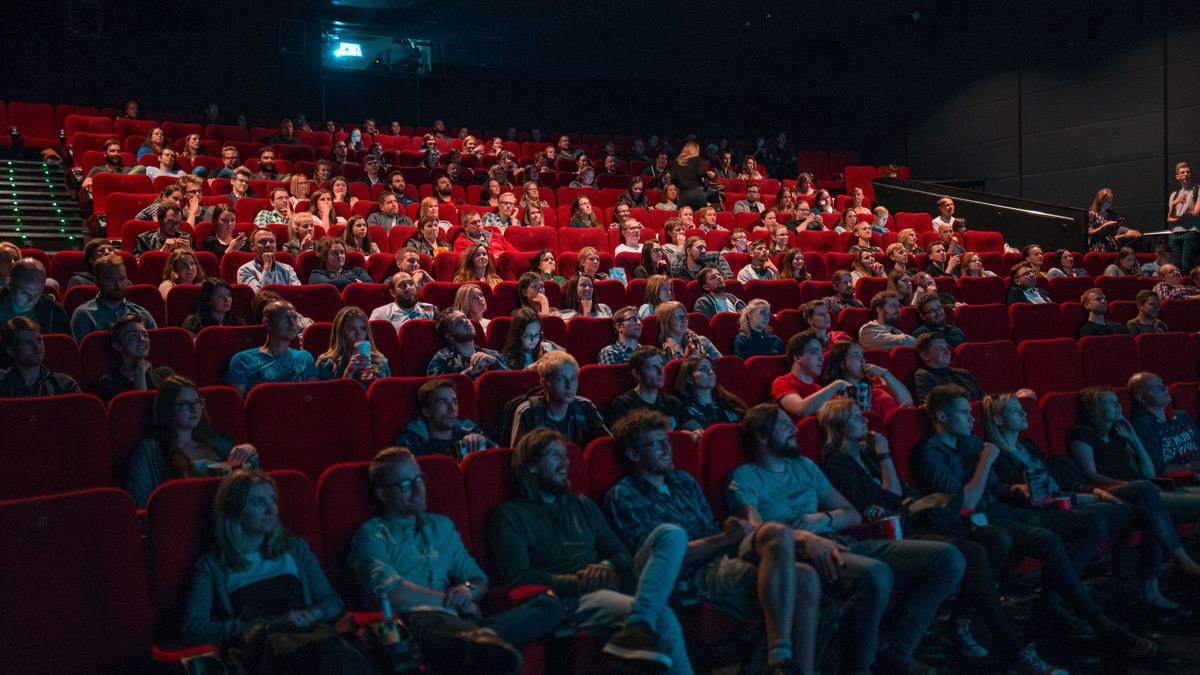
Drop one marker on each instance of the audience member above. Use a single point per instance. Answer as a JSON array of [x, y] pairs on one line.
[[265, 269], [676, 338], [732, 564], [182, 268], [1096, 305], [648, 368], [799, 392], [1126, 264], [130, 368], [94, 248], [1170, 286], [781, 486], [357, 236], [405, 305], [816, 314], [301, 234], [280, 212], [168, 236], [579, 299], [331, 266], [715, 299], [760, 265], [475, 264], [972, 266], [874, 387], [934, 352], [1162, 256], [1062, 264], [933, 320], [1106, 230], [113, 163], [859, 465], [706, 401], [25, 352], [954, 460], [236, 586], [438, 430], [225, 237], [469, 300], [416, 560], [1169, 435], [1024, 288], [473, 233], [428, 240], [628, 327], [524, 346], [184, 443], [1147, 320], [549, 535], [557, 404], [942, 264], [352, 353], [881, 332], [695, 258], [1183, 216], [276, 360], [843, 293], [214, 307], [865, 265], [266, 166], [26, 295], [754, 336], [945, 214], [109, 304]]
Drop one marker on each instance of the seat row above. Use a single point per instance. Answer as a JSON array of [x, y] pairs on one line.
[[60, 546]]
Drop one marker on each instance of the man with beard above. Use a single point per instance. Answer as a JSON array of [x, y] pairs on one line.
[[276, 360], [473, 233], [265, 269], [112, 164], [736, 566], [168, 236], [285, 136], [460, 355], [549, 535], [406, 307], [21, 339], [715, 299], [438, 430], [628, 326], [109, 304], [505, 215], [397, 184], [338, 155], [782, 486], [443, 189], [266, 166], [417, 561], [881, 332]]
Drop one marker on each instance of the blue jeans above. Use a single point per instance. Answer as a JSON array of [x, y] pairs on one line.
[[1147, 509], [921, 573], [657, 565], [1063, 542], [435, 631], [1185, 249]]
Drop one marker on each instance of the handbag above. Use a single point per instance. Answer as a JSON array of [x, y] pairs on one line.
[[938, 513], [284, 648]]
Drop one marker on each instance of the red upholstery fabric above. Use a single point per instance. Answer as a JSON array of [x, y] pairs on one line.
[[70, 434], [1108, 361], [1172, 356], [495, 389], [393, 404], [1051, 365], [602, 384], [995, 365], [215, 345], [1036, 322], [290, 425]]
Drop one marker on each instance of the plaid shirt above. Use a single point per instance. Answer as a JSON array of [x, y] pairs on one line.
[[616, 353], [449, 360], [635, 508], [270, 218]]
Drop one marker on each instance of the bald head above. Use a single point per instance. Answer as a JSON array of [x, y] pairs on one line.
[[28, 270], [1149, 391]]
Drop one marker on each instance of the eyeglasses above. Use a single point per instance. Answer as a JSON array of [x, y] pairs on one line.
[[532, 336], [406, 485], [508, 203]]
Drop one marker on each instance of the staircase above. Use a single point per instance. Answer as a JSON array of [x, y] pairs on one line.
[[36, 208]]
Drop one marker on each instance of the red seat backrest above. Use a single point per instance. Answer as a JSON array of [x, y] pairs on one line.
[[494, 390], [319, 302], [1036, 322], [720, 453], [995, 365], [906, 429], [1171, 356], [215, 345], [601, 383], [982, 290], [761, 372], [983, 323], [393, 404], [74, 584], [70, 435], [62, 355], [586, 336], [420, 343], [1051, 365], [1108, 361], [291, 424], [606, 466]]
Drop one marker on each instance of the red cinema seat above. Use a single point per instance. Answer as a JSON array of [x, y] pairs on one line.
[[70, 435], [419, 343], [984, 323], [1122, 288], [62, 355], [292, 425], [602, 384], [574, 238], [320, 302], [906, 429], [606, 466], [1181, 315], [1069, 289], [921, 222], [905, 362], [586, 336], [1059, 414], [761, 372], [216, 345], [724, 327], [823, 241], [512, 264], [851, 319], [533, 239], [1051, 365], [36, 122], [720, 453], [1171, 356], [366, 296], [494, 390], [74, 580], [995, 365], [1108, 361], [105, 184], [179, 530], [1036, 322], [1184, 396], [781, 293], [393, 403], [980, 241], [982, 290]]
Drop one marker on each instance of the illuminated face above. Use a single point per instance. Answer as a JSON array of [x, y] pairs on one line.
[[222, 300], [591, 264], [360, 230], [227, 222], [820, 318], [479, 261], [336, 257], [585, 205], [187, 269]]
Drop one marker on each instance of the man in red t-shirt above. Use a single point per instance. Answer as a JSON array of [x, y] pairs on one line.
[[798, 392]]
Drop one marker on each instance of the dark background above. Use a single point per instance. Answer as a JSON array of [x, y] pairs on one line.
[[1047, 100]]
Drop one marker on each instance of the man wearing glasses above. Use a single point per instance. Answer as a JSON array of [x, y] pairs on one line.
[[239, 185], [474, 233], [505, 214], [417, 561], [1024, 286], [168, 236], [628, 325]]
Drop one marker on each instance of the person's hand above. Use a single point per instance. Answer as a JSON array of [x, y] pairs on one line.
[[238, 242], [597, 577], [194, 204], [874, 512], [307, 241], [359, 363], [696, 434], [735, 529], [458, 598], [242, 454], [170, 244], [768, 265], [671, 345], [872, 370], [1021, 489], [989, 453], [472, 443], [825, 555], [542, 302], [481, 362], [268, 261], [877, 268], [300, 617], [953, 262], [1106, 496]]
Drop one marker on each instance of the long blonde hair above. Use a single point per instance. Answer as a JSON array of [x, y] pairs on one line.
[[993, 407], [339, 350], [832, 418], [228, 506], [690, 149]]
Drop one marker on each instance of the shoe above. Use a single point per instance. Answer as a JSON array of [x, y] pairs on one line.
[[636, 642], [1055, 613], [1029, 663], [962, 639], [1128, 644], [487, 652], [893, 662]]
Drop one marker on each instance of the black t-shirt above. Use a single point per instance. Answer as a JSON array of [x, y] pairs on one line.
[[666, 404], [1090, 329]]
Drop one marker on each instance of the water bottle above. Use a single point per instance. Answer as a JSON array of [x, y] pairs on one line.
[[389, 633]]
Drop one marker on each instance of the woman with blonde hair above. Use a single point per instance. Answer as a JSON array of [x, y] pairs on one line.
[[659, 289], [470, 300], [531, 197], [900, 283], [182, 268], [908, 239], [687, 175], [300, 234], [298, 185], [589, 264], [347, 357], [750, 170], [675, 338], [846, 221], [754, 336], [1105, 230], [972, 266], [475, 264], [804, 185]]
